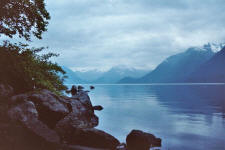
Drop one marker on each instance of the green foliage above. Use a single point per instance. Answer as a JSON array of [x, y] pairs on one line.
[[25, 70], [23, 18], [20, 66]]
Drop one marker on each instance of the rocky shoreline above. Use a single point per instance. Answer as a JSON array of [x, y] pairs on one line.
[[42, 120]]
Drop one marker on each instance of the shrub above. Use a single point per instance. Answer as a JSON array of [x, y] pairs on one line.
[[24, 69]]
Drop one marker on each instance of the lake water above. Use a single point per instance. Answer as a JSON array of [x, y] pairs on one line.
[[184, 116]]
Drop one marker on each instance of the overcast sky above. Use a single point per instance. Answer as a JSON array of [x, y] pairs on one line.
[[99, 34]]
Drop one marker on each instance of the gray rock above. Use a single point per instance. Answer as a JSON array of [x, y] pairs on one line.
[[49, 100], [98, 107], [51, 108], [139, 140], [43, 118], [27, 115], [92, 138], [92, 87], [85, 100], [80, 117]]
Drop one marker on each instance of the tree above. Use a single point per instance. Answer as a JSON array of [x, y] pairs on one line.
[[25, 70], [22, 67], [23, 18]]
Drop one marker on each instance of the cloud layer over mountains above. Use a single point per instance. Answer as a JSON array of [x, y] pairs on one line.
[[99, 34]]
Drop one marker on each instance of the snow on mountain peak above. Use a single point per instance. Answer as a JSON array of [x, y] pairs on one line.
[[215, 47]]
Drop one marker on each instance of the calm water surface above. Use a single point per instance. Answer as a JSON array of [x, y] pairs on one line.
[[186, 117]]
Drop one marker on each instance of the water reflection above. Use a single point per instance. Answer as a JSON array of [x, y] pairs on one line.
[[192, 99], [184, 116]]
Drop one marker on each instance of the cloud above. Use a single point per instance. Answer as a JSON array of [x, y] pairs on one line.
[[99, 34]]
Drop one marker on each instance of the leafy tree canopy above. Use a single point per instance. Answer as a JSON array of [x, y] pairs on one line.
[[23, 17], [25, 70], [22, 67]]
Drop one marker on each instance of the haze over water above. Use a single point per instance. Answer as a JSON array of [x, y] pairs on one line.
[[187, 117]]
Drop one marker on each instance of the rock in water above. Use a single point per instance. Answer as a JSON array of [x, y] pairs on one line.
[[81, 116], [139, 140], [92, 87], [85, 100], [80, 88], [98, 107], [94, 138], [43, 120]]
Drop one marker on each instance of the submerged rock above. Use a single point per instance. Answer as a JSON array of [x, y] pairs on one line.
[[139, 140]]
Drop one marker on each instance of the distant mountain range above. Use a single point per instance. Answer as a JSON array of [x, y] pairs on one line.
[[108, 77], [193, 65], [205, 64], [72, 77], [90, 75], [117, 73]]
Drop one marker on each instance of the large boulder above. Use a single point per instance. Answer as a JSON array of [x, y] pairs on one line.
[[83, 97], [59, 122], [24, 118], [51, 108], [27, 115], [92, 138], [139, 140], [77, 120], [80, 117]]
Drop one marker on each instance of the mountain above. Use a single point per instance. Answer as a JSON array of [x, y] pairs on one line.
[[90, 75], [73, 78], [117, 73], [216, 47], [177, 68], [94, 76], [211, 71]]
